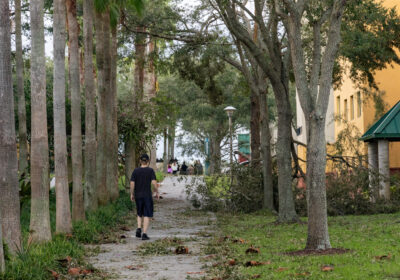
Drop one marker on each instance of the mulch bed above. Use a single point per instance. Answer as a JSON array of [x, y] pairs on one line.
[[332, 251]]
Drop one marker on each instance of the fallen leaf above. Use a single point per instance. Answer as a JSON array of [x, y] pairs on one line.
[[69, 235], [256, 276], [196, 272], [280, 269], [54, 274], [124, 228], [74, 271], [123, 236], [224, 238], [232, 262], [256, 263], [383, 257], [181, 250], [252, 250], [327, 268], [134, 267], [240, 240], [87, 271]]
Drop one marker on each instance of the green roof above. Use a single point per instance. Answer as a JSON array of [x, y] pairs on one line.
[[387, 127]]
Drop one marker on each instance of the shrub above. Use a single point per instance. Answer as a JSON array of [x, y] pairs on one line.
[[244, 193], [348, 193]]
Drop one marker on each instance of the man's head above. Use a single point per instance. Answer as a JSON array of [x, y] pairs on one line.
[[144, 159]]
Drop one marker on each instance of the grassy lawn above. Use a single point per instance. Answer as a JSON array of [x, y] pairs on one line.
[[37, 261], [374, 242]]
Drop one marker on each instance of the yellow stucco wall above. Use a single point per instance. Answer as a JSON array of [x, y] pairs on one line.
[[388, 81]]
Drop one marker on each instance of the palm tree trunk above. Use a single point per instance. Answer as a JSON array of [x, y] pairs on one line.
[[102, 90], [90, 193], [22, 131], [78, 209], [63, 211], [9, 196], [40, 214], [112, 168]]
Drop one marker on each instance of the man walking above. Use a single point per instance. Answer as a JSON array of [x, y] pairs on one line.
[[141, 193]]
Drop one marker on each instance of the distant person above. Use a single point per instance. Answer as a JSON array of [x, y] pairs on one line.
[[174, 168], [191, 169], [169, 170], [184, 168], [141, 180], [198, 168]]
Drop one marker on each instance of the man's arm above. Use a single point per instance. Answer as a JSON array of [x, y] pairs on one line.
[[132, 190], [156, 185]]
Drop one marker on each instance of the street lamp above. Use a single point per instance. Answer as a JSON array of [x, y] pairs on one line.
[[229, 111]]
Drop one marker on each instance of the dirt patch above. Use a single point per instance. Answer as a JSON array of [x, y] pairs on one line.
[[332, 251]]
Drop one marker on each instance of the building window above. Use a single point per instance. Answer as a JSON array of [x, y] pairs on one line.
[[346, 117], [359, 104], [352, 107], [338, 106]]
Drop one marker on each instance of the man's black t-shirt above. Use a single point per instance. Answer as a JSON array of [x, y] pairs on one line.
[[142, 177]]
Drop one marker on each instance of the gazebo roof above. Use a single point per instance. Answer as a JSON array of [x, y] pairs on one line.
[[387, 127]]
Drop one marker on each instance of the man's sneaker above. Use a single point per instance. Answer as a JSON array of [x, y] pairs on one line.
[[139, 233], [145, 237]]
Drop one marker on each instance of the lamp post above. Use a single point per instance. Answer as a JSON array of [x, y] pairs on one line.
[[229, 111]]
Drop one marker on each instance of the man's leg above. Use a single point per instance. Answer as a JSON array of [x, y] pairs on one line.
[[139, 222], [146, 223]]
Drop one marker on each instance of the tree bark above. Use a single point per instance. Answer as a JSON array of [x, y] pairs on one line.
[[255, 128], [318, 236], [90, 190], [102, 90], [9, 196], [314, 85], [215, 155], [165, 154], [63, 212], [268, 201], [130, 162], [22, 130], [2, 263], [112, 163], [40, 214], [78, 208], [151, 93], [171, 142]]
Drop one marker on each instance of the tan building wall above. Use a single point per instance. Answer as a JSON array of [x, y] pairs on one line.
[[362, 114]]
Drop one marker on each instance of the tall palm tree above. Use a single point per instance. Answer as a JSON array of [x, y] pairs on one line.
[[90, 109], [63, 212], [40, 214], [102, 51], [23, 143], [112, 168], [78, 209], [9, 196]]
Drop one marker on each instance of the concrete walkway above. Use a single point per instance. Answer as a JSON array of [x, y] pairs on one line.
[[173, 218]]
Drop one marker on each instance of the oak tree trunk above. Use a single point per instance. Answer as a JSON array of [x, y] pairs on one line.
[[255, 128], [40, 214], [63, 211], [90, 189], [9, 196], [78, 208], [268, 201], [318, 235], [215, 155], [22, 130]]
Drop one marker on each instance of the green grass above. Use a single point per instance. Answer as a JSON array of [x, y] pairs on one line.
[[368, 237], [35, 261]]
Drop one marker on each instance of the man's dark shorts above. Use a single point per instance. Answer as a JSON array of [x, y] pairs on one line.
[[144, 207]]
